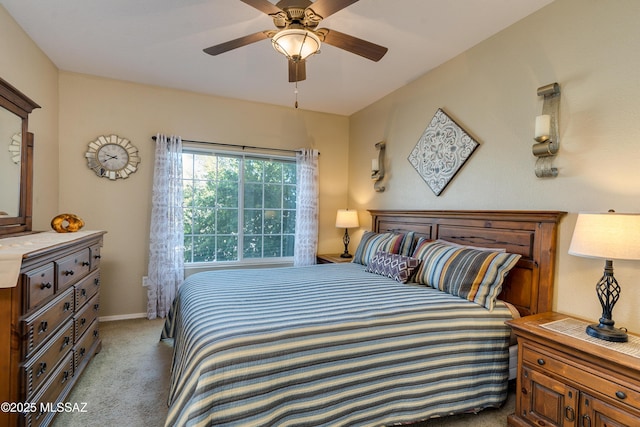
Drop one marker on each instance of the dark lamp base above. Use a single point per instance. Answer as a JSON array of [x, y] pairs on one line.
[[346, 255], [607, 333]]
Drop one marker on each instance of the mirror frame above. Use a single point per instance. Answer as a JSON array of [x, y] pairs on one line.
[[14, 101]]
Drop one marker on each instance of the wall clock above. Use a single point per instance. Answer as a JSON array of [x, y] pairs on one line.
[[15, 148], [112, 157]]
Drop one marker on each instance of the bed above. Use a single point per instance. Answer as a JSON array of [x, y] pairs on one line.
[[338, 345]]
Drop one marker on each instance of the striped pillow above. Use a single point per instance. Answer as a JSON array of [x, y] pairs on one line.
[[398, 267], [407, 243], [372, 243], [475, 275]]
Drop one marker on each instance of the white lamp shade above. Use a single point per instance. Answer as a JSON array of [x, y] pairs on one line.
[[296, 43], [347, 219], [607, 235]]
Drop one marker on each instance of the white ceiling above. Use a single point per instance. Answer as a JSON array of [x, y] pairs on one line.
[[160, 42]]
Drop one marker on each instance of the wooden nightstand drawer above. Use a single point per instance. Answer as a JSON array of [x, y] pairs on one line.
[[577, 373]]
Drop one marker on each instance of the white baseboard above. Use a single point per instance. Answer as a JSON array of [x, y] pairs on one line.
[[122, 317]]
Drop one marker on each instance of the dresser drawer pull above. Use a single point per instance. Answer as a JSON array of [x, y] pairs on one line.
[[96, 281], [96, 307], [43, 368], [83, 292], [83, 321], [85, 263], [97, 257], [82, 351], [65, 342], [586, 421], [66, 306], [569, 413], [43, 326], [68, 272], [65, 377], [46, 285], [621, 395], [96, 333], [541, 361]]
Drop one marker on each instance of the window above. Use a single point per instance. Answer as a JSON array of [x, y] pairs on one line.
[[238, 207]]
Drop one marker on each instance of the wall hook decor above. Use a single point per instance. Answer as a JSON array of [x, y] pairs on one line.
[[377, 167], [547, 135]]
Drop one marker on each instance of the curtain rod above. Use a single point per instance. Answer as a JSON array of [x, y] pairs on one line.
[[238, 146]]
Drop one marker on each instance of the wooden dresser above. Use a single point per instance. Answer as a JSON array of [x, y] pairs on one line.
[[564, 380], [48, 325]]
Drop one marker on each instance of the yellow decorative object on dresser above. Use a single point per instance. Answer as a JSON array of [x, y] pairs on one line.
[[67, 223]]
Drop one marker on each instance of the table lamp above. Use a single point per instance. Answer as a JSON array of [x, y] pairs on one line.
[[346, 219], [607, 236]]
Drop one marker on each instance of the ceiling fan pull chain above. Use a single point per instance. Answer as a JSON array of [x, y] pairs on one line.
[[295, 91]]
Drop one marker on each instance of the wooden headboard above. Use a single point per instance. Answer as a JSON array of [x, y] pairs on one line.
[[532, 234]]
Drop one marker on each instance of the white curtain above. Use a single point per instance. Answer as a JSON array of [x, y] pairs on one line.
[[306, 240], [166, 238]]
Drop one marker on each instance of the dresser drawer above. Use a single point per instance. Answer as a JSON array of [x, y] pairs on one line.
[[83, 319], [72, 268], [43, 323], [87, 288], [37, 370], [615, 388], [51, 393], [82, 350], [95, 256], [39, 285]]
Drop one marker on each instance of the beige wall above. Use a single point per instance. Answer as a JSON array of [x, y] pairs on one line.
[[591, 49], [92, 106], [25, 67]]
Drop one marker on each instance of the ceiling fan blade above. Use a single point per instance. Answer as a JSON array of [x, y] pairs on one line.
[[297, 71], [263, 6], [325, 8], [234, 44], [352, 44]]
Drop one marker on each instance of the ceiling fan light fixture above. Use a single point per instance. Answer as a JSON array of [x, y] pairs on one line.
[[296, 44]]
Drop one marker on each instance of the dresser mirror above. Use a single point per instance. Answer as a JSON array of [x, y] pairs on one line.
[[16, 161]]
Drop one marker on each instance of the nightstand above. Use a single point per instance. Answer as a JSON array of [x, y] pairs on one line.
[[567, 378], [331, 259]]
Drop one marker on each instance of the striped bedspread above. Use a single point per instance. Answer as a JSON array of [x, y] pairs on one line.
[[328, 345]]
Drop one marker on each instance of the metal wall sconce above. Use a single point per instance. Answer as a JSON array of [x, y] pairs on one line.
[[547, 135], [377, 167]]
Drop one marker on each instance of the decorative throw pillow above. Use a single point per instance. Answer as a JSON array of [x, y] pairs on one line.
[[476, 275], [372, 243], [408, 241], [398, 267]]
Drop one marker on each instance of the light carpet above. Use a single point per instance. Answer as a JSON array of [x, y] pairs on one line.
[[127, 383]]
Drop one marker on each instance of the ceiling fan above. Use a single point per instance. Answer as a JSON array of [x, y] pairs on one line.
[[297, 36]]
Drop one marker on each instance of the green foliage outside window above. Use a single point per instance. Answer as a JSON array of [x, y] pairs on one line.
[[238, 207]]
